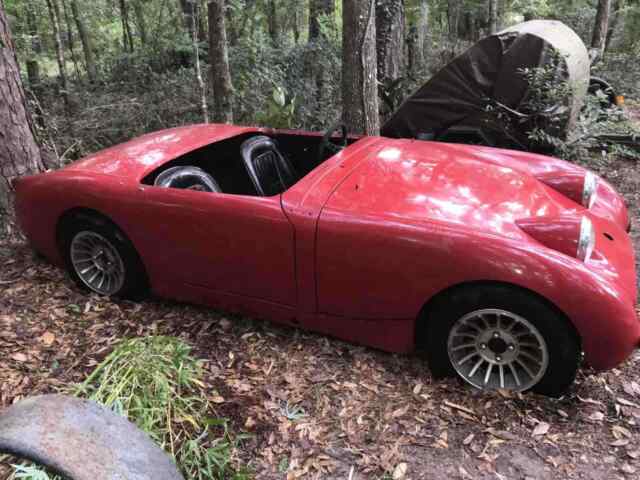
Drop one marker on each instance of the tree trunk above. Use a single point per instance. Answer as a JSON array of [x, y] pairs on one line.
[[219, 61], [318, 8], [272, 21], [422, 34], [33, 67], [493, 16], [186, 16], [616, 9], [54, 14], [453, 18], [601, 26], [359, 87], [127, 38], [196, 52], [141, 22], [70, 39], [87, 44], [19, 153], [390, 26]]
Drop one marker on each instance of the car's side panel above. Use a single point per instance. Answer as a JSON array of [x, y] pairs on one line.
[[374, 269], [303, 203], [232, 244]]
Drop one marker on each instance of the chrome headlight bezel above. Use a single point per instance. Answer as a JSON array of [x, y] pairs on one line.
[[589, 189], [586, 240]]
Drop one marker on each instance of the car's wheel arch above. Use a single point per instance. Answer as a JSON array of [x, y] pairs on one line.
[[74, 215], [425, 315]]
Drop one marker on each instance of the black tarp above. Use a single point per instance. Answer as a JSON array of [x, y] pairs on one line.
[[491, 69]]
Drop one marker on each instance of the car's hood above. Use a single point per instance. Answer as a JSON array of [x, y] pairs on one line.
[[439, 182], [136, 158]]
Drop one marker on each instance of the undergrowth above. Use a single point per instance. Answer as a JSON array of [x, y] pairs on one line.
[[156, 383]]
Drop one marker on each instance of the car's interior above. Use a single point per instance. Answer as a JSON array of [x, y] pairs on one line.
[[252, 163]]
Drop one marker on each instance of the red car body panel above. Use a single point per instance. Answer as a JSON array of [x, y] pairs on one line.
[[360, 245]]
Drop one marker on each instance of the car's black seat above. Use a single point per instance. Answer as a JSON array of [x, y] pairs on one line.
[[269, 170], [187, 177]]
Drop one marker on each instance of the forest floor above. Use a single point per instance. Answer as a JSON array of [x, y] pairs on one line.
[[321, 408]]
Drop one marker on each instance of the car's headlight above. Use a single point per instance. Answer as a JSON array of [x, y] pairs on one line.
[[587, 240], [589, 190]]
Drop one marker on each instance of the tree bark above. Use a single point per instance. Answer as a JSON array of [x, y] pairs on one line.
[[33, 67], [493, 16], [272, 21], [601, 26], [390, 28], [219, 61], [359, 87], [141, 22], [19, 153], [616, 13], [70, 39], [127, 38], [85, 40], [453, 18], [54, 14], [196, 51]]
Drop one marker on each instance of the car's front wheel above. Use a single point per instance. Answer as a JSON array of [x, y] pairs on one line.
[[501, 337], [101, 259]]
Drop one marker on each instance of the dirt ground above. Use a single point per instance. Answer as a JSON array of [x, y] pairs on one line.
[[322, 408]]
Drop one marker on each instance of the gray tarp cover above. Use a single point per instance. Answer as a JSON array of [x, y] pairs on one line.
[[489, 69]]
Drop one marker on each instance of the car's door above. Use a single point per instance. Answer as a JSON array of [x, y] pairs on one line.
[[232, 244]]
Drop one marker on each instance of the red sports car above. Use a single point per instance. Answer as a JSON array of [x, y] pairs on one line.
[[504, 267]]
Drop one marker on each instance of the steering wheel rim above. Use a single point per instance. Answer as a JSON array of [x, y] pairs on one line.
[[327, 144]]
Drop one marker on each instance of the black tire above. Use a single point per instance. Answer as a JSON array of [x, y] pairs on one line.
[[135, 283], [562, 341]]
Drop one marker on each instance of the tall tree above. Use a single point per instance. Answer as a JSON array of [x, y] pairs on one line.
[[599, 39], [359, 83], [272, 21], [19, 153], [196, 51], [127, 38], [616, 13], [54, 14], [219, 61], [390, 26], [493, 16], [71, 41], [35, 47], [141, 21], [86, 41]]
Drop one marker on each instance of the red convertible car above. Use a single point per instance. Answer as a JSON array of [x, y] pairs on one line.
[[504, 267]]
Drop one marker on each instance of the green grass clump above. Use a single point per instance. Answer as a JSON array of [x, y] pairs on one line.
[[156, 384]]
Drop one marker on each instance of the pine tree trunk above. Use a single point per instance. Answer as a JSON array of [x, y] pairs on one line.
[[601, 26], [54, 14], [219, 61], [390, 27], [87, 44], [493, 16], [19, 153], [359, 87]]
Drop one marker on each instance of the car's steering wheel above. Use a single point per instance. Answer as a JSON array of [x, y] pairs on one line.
[[328, 144]]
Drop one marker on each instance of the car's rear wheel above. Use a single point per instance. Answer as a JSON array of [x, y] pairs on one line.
[[501, 337], [100, 258]]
